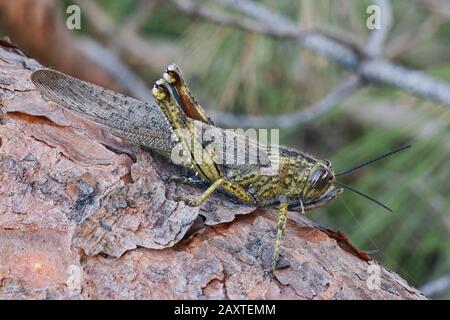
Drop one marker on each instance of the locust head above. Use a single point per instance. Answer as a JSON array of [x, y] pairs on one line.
[[319, 188]]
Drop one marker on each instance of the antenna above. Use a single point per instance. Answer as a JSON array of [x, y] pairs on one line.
[[363, 195], [359, 166]]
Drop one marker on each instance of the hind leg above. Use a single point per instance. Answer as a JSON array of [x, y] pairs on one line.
[[201, 159], [191, 107]]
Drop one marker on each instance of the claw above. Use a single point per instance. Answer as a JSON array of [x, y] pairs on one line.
[[170, 77], [173, 67], [189, 201], [160, 90], [172, 74]]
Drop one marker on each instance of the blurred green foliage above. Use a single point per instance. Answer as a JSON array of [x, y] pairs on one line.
[[242, 72]]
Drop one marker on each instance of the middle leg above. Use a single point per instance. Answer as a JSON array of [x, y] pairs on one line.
[[281, 225], [228, 185]]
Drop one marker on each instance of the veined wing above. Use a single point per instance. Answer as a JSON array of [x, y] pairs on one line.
[[144, 123], [237, 151], [124, 116]]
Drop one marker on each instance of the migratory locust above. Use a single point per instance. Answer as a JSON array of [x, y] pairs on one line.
[[177, 127]]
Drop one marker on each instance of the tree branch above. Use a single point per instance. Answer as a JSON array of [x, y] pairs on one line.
[[343, 90], [217, 16], [351, 57], [416, 82], [149, 52], [377, 37]]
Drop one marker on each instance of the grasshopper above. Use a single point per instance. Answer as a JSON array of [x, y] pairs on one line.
[[300, 182]]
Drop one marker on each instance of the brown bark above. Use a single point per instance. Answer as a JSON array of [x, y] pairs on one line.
[[80, 219]]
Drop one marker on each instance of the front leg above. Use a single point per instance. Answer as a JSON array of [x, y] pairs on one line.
[[281, 225], [232, 187]]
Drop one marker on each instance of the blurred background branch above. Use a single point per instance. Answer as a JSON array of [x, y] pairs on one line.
[[264, 21], [342, 91], [436, 287], [124, 39], [377, 37]]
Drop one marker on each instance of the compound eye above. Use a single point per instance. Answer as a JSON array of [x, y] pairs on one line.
[[319, 178], [328, 163]]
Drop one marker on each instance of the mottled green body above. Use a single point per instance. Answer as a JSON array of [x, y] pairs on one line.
[[290, 179]]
